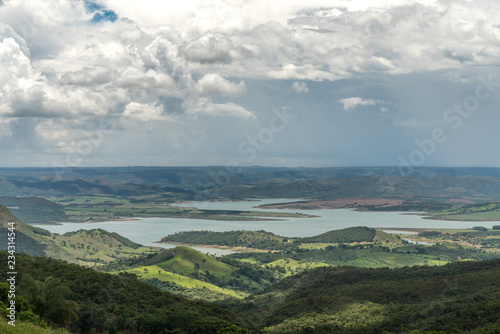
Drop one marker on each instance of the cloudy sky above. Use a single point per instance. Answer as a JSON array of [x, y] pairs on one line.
[[236, 82]]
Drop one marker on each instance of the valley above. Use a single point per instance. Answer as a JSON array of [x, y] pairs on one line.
[[321, 261]]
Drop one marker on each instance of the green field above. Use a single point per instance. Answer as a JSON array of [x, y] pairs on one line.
[[193, 288], [27, 328], [192, 269], [290, 266], [473, 212]]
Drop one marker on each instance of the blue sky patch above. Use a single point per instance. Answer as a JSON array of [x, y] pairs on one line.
[[101, 14]]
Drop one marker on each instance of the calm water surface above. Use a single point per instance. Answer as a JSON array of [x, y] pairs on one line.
[[147, 230]]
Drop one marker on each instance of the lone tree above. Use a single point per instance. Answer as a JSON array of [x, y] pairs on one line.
[[48, 300]]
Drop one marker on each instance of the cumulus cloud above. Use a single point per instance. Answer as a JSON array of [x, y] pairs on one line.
[[89, 76], [74, 66], [144, 111], [353, 102], [15, 65], [64, 62], [214, 84], [213, 48], [306, 72]]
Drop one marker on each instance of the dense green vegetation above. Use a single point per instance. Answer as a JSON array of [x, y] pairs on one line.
[[460, 297], [315, 293], [347, 235], [356, 246], [252, 239], [269, 241], [455, 298], [364, 256], [187, 262], [121, 303], [48, 300], [311, 296]]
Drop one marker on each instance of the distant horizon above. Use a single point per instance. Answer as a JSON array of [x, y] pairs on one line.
[[254, 166]]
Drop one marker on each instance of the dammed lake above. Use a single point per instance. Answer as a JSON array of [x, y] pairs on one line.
[[148, 230]]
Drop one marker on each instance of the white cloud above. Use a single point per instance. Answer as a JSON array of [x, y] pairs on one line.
[[205, 106], [144, 111], [413, 123], [305, 72], [300, 87], [15, 65], [214, 84], [161, 60], [67, 63], [353, 102], [213, 48], [90, 76]]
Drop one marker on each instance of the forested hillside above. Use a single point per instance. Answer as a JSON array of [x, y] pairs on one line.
[[455, 298], [192, 264], [121, 303], [462, 297], [88, 247]]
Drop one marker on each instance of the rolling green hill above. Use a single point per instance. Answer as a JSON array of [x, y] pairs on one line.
[[262, 240], [123, 304], [193, 264], [252, 239], [182, 260], [186, 286], [29, 239], [458, 297], [346, 235], [88, 247]]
